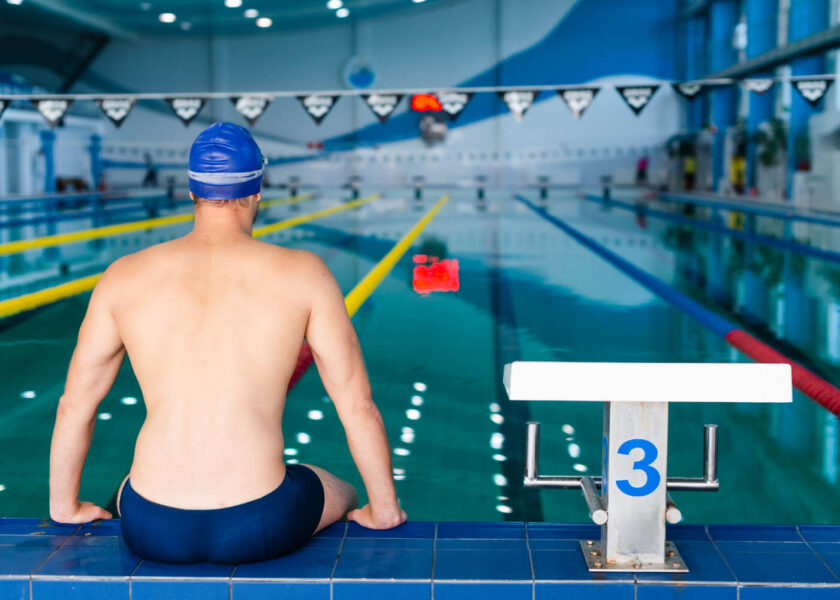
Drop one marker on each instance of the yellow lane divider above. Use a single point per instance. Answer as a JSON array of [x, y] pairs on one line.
[[119, 229], [319, 214], [371, 281], [13, 306]]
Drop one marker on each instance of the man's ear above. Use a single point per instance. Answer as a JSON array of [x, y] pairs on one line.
[[192, 196], [257, 197]]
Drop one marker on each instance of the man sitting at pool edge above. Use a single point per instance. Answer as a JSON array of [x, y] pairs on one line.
[[212, 323]]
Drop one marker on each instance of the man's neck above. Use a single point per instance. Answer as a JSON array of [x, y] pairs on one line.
[[222, 223]]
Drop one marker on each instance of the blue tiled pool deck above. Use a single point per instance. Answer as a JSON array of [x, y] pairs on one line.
[[444, 561]]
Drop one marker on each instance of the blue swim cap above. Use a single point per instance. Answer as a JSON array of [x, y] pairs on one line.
[[225, 163]]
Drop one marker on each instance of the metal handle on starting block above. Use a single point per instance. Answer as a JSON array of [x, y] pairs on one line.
[[708, 483]]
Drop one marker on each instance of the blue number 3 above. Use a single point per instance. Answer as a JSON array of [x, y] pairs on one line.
[[643, 464]]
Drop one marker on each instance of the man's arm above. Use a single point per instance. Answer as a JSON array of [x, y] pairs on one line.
[[93, 368], [338, 356]]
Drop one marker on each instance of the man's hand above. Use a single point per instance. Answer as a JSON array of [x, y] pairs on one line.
[[85, 512], [377, 518]]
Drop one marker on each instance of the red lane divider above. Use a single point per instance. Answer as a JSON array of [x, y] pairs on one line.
[[304, 361], [807, 382]]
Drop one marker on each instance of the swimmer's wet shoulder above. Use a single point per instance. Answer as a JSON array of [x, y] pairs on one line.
[[213, 323]]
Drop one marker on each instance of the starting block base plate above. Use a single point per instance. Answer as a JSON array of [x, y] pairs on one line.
[[596, 562]]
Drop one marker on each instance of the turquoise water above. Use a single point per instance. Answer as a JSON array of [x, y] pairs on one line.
[[526, 292]]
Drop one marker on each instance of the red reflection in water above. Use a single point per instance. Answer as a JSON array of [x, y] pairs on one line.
[[434, 275]]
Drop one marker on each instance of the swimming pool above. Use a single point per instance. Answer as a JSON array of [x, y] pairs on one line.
[[526, 291]]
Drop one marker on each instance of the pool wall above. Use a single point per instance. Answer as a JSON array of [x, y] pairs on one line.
[[447, 560]]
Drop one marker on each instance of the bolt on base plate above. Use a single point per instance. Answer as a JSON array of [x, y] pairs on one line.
[[596, 562]]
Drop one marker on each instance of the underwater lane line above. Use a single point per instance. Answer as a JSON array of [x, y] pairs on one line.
[[368, 284], [806, 381], [26, 302], [119, 229]]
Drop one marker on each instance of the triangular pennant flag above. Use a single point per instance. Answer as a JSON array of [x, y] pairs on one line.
[[688, 89], [53, 110], [812, 90], [186, 109], [578, 99], [116, 109], [4, 104], [251, 107], [318, 105], [637, 96], [759, 86], [518, 102], [453, 103], [382, 105]]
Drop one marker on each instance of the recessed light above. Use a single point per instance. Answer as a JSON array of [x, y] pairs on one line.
[[186, 25], [15, 2], [418, 1], [264, 22], [342, 12], [251, 13], [233, 3], [167, 17], [335, 4]]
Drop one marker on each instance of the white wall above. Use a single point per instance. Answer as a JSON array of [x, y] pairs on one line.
[[436, 45]]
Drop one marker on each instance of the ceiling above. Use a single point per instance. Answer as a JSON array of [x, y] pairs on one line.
[[132, 19]]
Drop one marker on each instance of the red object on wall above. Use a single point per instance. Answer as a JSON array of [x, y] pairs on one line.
[[425, 103], [437, 276]]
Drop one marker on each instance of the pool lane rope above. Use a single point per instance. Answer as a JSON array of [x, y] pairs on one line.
[[20, 304], [765, 240], [118, 229], [368, 284], [806, 381]]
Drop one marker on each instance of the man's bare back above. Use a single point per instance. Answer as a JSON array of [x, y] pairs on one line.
[[213, 323], [213, 330]]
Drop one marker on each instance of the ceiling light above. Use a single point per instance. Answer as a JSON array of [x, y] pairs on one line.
[[342, 12], [166, 17], [264, 22], [233, 3], [418, 1], [251, 13], [335, 4], [186, 25], [19, 2]]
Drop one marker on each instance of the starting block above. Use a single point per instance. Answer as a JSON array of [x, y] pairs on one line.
[[633, 504]]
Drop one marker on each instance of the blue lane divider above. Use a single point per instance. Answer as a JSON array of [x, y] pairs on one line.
[[765, 211], [708, 318], [806, 381], [766, 240]]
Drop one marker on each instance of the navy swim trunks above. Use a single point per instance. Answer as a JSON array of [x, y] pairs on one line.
[[276, 524]]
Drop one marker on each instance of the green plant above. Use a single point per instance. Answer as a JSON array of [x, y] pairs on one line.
[[771, 141]]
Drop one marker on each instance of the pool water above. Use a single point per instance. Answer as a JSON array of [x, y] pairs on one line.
[[526, 291]]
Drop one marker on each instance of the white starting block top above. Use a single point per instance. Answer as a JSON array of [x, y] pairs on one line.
[[649, 382]]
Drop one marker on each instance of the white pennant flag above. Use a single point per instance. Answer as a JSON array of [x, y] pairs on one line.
[[453, 103], [812, 90], [382, 105], [116, 109], [689, 89], [578, 99], [519, 102], [186, 109], [759, 86], [318, 106], [251, 107], [637, 96], [53, 111]]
